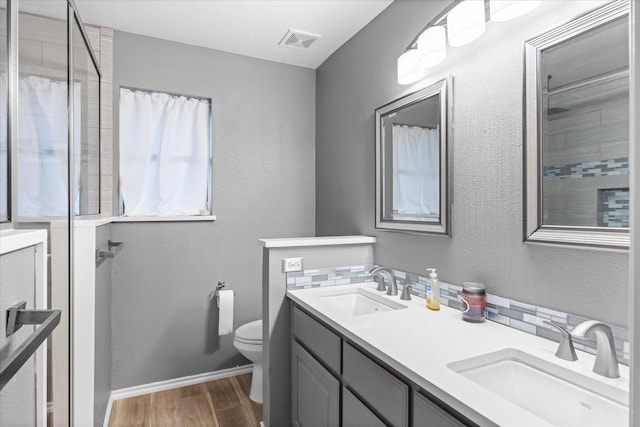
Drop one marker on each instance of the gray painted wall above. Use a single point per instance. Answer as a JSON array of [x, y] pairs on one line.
[[102, 368], [164, 325], [486, 245]]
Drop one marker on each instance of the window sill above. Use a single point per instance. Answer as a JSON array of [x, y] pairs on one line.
[[199, 218]]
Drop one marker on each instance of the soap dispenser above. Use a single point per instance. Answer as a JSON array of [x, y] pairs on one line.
[[433, 290]]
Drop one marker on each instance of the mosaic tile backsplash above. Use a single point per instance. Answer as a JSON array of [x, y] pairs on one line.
[[525, 317]]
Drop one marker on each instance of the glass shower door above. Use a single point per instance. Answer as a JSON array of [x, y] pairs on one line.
[[43, 172], [49, 175]]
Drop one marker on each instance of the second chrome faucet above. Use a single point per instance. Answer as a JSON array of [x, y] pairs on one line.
[[606, 363]]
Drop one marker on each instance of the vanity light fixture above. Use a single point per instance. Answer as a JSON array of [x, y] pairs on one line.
[[505, 10], [465, 21], [409, 69], [432, 46]]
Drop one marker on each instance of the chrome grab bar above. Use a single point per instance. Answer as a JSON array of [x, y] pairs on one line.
[[17, 316], [112, 250]]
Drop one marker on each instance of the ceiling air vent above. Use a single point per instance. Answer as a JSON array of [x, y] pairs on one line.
[[299, 39]]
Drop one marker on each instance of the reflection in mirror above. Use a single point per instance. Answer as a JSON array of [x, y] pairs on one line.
[[4, 87], [411, 157], [577, 140]]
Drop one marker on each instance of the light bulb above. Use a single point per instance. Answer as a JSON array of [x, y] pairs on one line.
[[409, 70], [432, 46], [466, 22], [504, 10]]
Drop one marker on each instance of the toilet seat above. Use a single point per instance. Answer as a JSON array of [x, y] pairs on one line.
[[248, 341], [250, 333]]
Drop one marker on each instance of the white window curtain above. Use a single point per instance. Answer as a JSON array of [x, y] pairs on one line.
[[43, 147], [164, 154], [416, 171]]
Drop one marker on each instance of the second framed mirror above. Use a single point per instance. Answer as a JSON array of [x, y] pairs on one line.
[[413, 162]]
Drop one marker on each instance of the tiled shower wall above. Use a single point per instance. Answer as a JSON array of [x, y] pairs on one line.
[[525, 317], [586, 152], [614, 207], [611, 204]]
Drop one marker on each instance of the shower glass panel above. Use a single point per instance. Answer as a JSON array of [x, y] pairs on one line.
[[86, 130], [4, 152], [42, 171], [42, 118]]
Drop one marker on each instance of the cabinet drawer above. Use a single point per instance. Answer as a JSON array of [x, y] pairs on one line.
[[317, 338], [379, 388], [428, 414], [356, 414]]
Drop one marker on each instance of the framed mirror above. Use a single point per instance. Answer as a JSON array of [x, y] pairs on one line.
[[413, 162], [577, 131]]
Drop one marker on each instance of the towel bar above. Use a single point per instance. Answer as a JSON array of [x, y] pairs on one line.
[[112, 250], [16, 317]]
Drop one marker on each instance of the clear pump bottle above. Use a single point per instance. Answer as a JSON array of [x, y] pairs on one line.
[[433, 290]]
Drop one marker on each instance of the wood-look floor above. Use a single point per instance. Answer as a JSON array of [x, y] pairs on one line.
[[220, 403]]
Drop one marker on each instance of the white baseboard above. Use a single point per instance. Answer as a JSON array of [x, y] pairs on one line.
[[139, 390]]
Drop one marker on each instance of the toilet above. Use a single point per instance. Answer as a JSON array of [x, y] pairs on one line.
[[248, 341]]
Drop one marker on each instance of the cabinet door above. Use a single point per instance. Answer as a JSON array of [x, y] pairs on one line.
[[428, 414], [356, 414], [315, 393]]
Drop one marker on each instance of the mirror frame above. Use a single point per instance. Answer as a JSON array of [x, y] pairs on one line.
[[534, 230], [443, 226]]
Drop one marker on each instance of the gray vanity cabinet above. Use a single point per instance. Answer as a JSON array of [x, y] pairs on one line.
[[335, 384], [428, 414], [382, 390], [356, 414], [316, 391], [320, 341]]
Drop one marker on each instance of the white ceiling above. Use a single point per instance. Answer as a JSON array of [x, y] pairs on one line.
[[247, 27]]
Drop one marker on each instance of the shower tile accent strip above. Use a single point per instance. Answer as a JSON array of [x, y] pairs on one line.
[[515, 314], [588, 169]]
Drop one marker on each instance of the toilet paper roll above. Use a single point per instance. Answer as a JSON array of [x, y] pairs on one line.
[[225, 312]]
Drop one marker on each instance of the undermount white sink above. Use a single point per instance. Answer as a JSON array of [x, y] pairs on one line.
[[555, 394], [359, 302]]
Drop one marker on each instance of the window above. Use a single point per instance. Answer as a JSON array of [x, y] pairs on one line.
[[165, 154]]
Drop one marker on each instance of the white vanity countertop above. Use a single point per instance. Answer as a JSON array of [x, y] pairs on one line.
[[420, 343]]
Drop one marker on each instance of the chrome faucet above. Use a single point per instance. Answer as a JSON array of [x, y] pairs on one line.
[[565, 349], [392, 289], [606, 361]]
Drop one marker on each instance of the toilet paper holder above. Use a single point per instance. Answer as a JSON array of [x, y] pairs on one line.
[[216, 293], [220, 286]]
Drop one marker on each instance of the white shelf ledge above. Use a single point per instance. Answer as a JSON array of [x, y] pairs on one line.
[[295, 242]]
